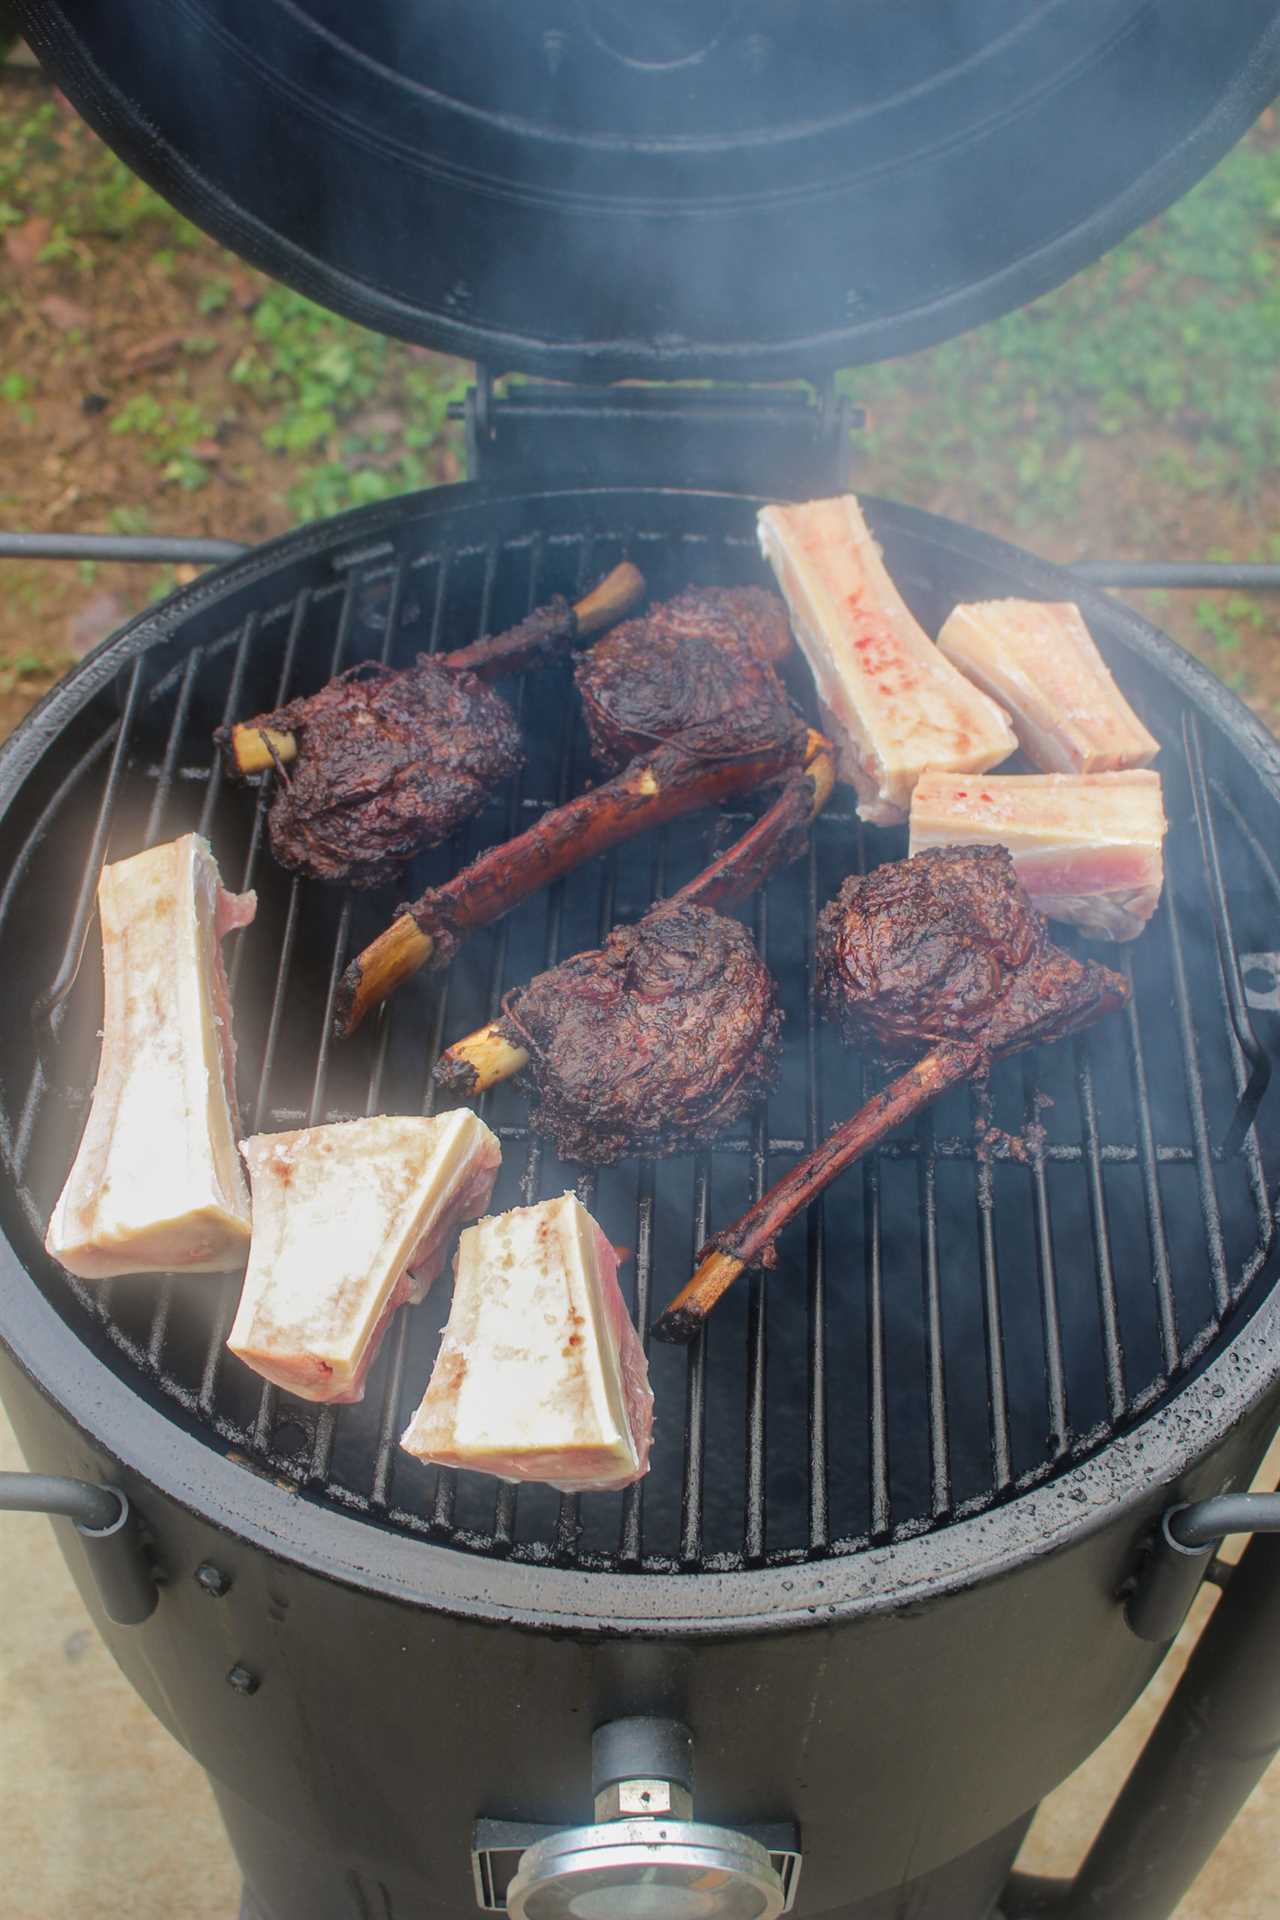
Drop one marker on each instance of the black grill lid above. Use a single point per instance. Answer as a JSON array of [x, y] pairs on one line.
[[593, 188]]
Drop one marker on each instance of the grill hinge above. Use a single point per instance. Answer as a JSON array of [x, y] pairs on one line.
[[792, 441]]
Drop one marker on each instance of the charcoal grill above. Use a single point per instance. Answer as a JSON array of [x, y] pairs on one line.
[[911, 1544]]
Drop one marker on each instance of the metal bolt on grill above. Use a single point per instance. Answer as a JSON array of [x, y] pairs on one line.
[[979, 1305]]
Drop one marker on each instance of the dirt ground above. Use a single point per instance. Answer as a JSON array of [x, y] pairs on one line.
[[151, 383]]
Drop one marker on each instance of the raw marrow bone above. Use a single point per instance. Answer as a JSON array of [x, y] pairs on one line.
[[350, 1221], [1039, 661], [1087, 847], [540, 1374], [156, 1185], [892, 703]]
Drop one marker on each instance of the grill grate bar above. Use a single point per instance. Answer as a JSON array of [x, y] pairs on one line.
[[1162, 1272], [631, 1533], [46, 1014], [1112, 1349], [1252, 1079], [877, 1371], [997, 1385], [695, 1402], [757, 1326], [906, 1348], [1050, 1319], [815, 1241], [266, 787], [234, 706], [169, 761], [158, 1330], [1203, 1152], [939, 1445]]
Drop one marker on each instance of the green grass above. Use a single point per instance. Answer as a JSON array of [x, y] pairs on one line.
[[301, 378], [1175, 331], [1177, 328]]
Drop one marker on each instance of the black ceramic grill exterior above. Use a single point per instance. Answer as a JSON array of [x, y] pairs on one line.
[[985, 1302]]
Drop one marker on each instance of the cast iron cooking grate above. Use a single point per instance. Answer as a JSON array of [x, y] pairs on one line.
[[986, 1301]]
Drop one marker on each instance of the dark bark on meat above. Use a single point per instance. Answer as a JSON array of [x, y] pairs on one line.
[[692, 678], [947, 946], [759, 614], [383, 762], [943, 951], [655, 1043], [666, 1035], [388, 762], [697, 667]]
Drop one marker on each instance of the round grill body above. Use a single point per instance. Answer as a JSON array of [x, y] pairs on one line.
[[899, 1490]]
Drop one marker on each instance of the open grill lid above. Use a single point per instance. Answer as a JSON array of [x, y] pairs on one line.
[[726, 188]]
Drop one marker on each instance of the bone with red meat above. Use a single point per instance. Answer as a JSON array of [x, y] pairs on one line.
[[1087, 847], [540, 1374], [351, 1221], [1039, 660], [890, 700], [156, 1185]]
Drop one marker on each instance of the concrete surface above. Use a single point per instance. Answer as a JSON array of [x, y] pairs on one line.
[[103, 1817]]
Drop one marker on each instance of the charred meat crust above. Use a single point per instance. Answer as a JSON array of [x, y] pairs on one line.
[[388, 763], [947, 947], [696, 668], [653, 1044]]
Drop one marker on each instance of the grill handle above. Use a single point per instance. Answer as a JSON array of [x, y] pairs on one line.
[[108, 1529], [1209, 1749], [1182, 1553]]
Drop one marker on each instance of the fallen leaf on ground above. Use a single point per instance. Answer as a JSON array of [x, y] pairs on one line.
[[156, 351], [63, 314], [23, 243]]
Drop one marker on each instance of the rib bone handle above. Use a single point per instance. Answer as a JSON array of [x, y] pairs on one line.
[[487, 1056], [252, 746], [655, 788], [749, 1242]]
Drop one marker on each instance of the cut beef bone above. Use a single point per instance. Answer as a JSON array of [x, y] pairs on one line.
[[351, 1221], [540, 1374], [156, 1185], [891, 702], [945, 952], [1087, 847], [1040, 662]]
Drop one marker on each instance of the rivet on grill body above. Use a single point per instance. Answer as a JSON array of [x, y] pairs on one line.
[[242, 1681], [212, 1580]]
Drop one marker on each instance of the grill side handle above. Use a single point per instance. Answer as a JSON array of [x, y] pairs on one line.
[[1181, 1556], [108, 1529], [1210, 1747]]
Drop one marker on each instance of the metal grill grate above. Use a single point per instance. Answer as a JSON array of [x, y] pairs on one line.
[[986, 1300]]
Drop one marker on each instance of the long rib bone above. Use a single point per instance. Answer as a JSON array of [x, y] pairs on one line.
[[1024, 989], [156, 1185], [655, 788], [749, 1241], [488, 1056], [254, 745]]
